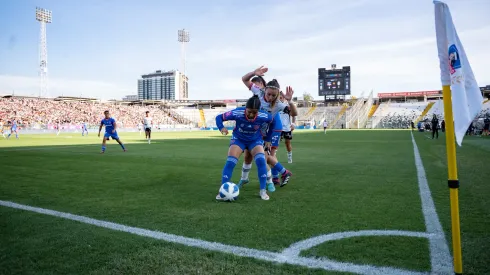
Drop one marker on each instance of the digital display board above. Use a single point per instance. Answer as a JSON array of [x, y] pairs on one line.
[[334, 81]]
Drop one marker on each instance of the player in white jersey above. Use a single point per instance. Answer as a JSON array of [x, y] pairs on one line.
[[147, 125], [288, 125], [325, 126], [2, 128], [268, 94]]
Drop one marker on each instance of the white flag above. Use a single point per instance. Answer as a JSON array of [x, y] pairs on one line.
[[456, 71]]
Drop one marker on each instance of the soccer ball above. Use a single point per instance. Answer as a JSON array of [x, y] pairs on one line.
[[229, 191]]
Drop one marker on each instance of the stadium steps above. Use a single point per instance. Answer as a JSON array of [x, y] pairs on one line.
[[203, 118], [373, 110], [341, 113], [310, 112], [426, 110]]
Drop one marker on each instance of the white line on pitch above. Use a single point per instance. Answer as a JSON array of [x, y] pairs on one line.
[[289, 255], [440, 258]]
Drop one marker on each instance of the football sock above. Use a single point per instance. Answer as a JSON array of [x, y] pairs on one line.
[[246, 170], [228, 169], [103, 148], [279, 168], [275, 173], [269, 176], [262, 170]]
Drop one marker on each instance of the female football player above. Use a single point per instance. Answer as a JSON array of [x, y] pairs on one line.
[[288, 125], [269, 96], [247, 135], [110, 131]]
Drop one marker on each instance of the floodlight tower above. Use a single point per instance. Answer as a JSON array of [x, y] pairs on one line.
[[183, 39], [44, 17]]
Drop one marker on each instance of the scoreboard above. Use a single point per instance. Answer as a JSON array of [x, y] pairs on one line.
[[333, 82]]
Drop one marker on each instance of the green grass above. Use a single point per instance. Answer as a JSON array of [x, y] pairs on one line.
[[343, 181], [474, 175], [366, 250]]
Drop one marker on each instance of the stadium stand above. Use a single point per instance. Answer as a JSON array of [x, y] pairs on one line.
[[340, 118], [328, 113], [364, 112], [39, 113], [399, 115], [352, 114], [310, 112], [373, 110], [380, 113], [202, 118], [425, 113]]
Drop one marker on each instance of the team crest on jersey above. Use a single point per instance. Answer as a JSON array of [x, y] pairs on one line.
[[256, 127]]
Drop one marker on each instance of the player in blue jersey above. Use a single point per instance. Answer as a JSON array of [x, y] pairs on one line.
[[110, 131], [269, 95], [246, 136], [13, 129], [84, 129]]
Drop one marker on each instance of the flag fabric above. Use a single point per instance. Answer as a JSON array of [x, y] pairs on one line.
[[456, 72]]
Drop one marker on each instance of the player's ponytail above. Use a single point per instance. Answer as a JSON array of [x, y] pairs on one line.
[[273, 84], [253, 103], [259, 79]]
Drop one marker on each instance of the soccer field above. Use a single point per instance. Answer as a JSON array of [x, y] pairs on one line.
[[360, 193]]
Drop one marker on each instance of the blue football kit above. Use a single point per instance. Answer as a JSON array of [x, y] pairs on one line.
[[247, 133]]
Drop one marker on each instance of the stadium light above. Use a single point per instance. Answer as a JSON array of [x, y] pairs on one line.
[[44, 17], [183, 38]]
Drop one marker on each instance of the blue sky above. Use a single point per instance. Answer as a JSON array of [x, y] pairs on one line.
[[99, 48]]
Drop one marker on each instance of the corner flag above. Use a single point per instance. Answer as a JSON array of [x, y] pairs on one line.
[[465, 100], [456, 72]]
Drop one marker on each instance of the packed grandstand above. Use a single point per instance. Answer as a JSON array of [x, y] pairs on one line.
[[386, 111]]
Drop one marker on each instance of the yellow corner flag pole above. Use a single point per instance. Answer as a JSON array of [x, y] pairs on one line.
[[453, 181]]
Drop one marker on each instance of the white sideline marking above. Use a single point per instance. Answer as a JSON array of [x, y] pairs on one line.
[[440, 258], [441, 261], [285, 257]]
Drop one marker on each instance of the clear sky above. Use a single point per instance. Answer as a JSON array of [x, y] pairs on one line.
[[99, 48]]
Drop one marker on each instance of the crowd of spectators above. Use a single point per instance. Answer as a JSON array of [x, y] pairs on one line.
[[398, 121], [42, 112]]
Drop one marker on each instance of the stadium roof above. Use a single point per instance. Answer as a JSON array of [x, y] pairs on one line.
[[410, 94], [72, 98]]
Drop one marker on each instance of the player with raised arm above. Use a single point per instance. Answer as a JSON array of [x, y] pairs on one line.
[[268, 94], [110, 131], [246, 136], [288, 125], [147, 125]]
